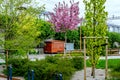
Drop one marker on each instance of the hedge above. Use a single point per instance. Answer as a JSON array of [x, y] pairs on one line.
[[48, 68]]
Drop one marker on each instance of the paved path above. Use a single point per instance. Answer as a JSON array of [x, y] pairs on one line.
[[42, 56], [111, 57], [79, 75]]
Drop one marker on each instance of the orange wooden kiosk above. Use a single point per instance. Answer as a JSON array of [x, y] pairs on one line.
[[54, 46]]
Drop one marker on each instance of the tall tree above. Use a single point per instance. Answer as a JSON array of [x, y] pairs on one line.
[[95, 26], [46, 30], [65, 18], [18, 27], [72, 37], [16, 17]]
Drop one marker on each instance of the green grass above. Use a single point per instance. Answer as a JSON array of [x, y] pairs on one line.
[[101, 64], [113, 65], [72, 54]]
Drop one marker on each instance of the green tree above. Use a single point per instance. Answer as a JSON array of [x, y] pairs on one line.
[[95, 26], [46, 31], [18, 27], [19, 23], [72, 37], [113, 37]]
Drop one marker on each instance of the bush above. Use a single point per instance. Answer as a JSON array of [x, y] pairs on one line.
[[33, 51], [78, 63], [65, 67], [113, 37], [115, 73], [46, 69], [62, 66], [42, 70], [18, 66], [51, 59], [77, 53], [113, 79]]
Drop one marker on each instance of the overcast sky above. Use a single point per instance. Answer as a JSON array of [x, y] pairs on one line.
[[112, 7]]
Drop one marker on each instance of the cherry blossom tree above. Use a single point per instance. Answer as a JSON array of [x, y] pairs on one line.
[[65, 17]]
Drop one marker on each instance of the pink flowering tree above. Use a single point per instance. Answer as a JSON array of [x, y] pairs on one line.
[[65, 17]]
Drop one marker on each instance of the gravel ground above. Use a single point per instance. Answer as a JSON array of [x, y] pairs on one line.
[[99, 75]]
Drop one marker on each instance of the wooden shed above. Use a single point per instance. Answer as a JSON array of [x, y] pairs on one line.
[[53, 46]]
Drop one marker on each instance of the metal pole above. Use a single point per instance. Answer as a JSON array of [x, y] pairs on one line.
[[106, 65], [84, 59], [56, 76], [7, 67], [60, 76], [32, 74], [10, 72], [28, 74]]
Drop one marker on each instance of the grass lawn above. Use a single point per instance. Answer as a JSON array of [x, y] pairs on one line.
[[72, 54], [101, 64]]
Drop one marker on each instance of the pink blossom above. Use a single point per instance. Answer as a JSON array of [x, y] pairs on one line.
[[64, 17]]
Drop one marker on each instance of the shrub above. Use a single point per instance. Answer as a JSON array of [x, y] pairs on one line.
[[51, 59], [78, 63], [44, 69], [18, 66], [65, 66], [113, 37], [33, 51], [17, 53], [117, 68], [115, 73], [76, 54], [41, 70], [59, 65]]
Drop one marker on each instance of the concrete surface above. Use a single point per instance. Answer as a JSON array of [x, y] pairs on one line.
[[99, 73]]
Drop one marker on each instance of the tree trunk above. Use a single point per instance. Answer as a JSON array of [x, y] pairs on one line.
[[65, 43], [93, 71], [93, 65], [6, 59]]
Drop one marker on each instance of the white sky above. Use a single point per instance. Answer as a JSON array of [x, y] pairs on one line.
[[112, 7]]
